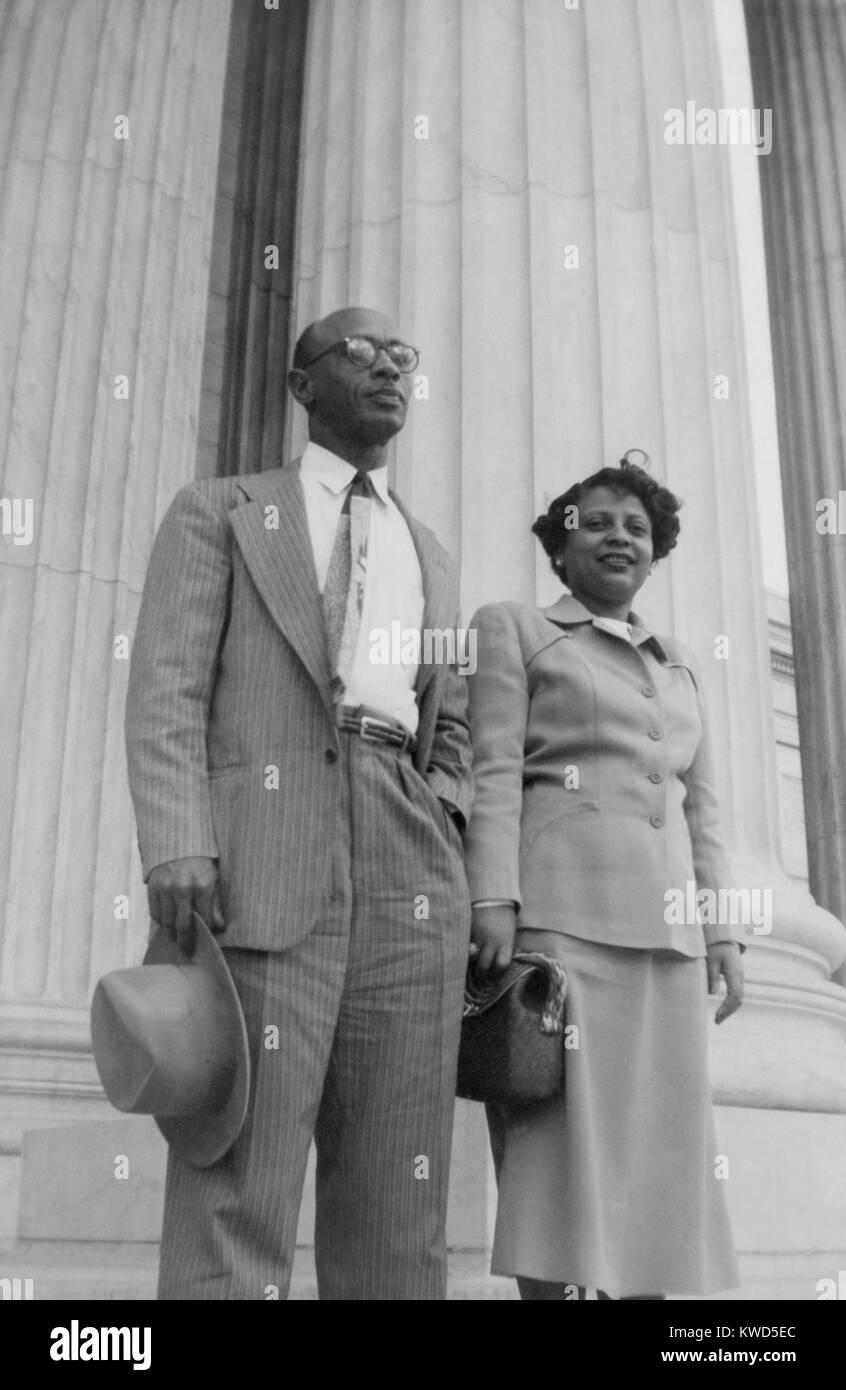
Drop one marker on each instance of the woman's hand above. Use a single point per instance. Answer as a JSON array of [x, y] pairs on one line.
[[724, 958], [492, 933]]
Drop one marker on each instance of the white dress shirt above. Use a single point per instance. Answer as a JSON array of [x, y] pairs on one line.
[[393, 594], [618, 627]]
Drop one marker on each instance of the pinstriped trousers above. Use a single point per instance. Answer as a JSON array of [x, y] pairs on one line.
[[368, 1011]]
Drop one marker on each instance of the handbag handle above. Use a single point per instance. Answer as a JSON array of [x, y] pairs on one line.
[[552, 1018], [478, 999]]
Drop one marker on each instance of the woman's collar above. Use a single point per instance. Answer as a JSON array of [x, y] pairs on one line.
[[568, 611]]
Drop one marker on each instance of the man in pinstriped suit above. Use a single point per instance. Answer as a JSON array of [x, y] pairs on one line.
[[309, 804]]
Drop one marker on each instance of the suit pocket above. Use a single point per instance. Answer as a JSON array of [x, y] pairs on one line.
[[531, 835], [416, 787], [451, 830], [420, 794], [544, 810]]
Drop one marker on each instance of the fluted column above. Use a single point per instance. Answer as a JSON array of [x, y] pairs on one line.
[[572, 281], [247, 349], [104, 258], [798, 55]]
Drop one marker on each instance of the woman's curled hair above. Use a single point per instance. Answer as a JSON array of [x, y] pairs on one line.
[[660, 505]]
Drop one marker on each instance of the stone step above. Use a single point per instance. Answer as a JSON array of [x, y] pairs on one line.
[[91, 1208], [123, 1271], [103, 1271], [104, 1181]]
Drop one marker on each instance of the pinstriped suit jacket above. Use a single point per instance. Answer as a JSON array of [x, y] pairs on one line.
[[230, 674]]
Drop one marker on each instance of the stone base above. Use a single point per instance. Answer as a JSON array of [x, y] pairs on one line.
[[104, 1181], [70, 1271], [10, 1182], [85, 1232], [98, 1271], [786, 1190]]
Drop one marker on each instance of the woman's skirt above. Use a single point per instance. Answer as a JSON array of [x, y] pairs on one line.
[[616, 1184]]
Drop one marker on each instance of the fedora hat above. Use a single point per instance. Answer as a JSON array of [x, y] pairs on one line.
[[170, 1041]]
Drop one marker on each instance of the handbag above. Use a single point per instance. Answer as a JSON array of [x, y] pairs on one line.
[[511, 1048]]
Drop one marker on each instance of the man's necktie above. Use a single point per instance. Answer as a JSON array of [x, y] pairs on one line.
[[343, 592]]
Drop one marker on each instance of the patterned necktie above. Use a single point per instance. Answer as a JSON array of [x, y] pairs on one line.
[[343, 592]]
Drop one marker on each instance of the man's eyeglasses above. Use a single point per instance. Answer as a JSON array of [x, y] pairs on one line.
[[362, 352]]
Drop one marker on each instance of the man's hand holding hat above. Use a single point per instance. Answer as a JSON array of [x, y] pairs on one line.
[[180, 888]]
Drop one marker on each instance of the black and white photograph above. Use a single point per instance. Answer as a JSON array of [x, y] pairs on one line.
[[423, 622]]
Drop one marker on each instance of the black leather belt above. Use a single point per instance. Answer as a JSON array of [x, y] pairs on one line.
[[376, 728]]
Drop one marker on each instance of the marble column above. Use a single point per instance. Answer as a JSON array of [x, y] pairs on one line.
[[247, 350], [798, 56], [497, 178], [109, 128]]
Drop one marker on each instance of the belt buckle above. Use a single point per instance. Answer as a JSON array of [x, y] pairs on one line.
[[368, 721]]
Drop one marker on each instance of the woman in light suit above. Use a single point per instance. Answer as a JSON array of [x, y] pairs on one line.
[[594, 799]]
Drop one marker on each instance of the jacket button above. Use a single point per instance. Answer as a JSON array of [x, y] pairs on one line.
[[656, 776], [657, 821], [331, 755], [646, 690], [655, 733]]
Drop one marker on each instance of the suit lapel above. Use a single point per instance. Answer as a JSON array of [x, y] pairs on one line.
[[281, 562]]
